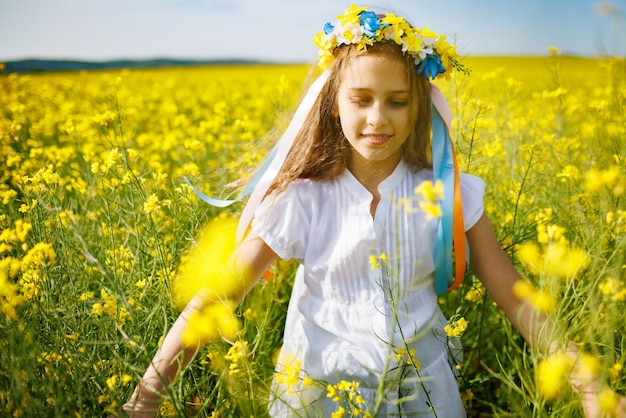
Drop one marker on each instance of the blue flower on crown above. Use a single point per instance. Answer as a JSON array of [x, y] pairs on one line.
[[431, 66], [370, 23], [328, 28]]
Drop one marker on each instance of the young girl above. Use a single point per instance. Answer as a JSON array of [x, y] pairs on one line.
[[339, 198]]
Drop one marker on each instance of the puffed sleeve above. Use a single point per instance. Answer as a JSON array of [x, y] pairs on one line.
[[283, 223], [472, 194]]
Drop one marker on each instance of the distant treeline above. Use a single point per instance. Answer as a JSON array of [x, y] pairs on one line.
[[40, 65]]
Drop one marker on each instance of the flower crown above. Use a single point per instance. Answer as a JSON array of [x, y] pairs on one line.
[[432, 53]]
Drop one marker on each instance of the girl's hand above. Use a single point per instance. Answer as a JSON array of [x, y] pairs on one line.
[[141, 410], [592, 407], [143, 403], [134, 409]]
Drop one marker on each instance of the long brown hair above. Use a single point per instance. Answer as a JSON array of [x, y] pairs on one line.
[[320, 150]]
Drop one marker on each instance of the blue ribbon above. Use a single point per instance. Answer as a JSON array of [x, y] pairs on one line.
[[222, 203], [443, 169]]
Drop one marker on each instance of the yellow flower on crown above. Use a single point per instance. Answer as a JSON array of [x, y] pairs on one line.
[[396, 29], [358, 26], [351, 15]]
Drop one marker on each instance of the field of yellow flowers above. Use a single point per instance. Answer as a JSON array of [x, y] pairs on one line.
[[95, 216]]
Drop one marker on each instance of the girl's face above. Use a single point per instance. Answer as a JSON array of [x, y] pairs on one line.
[[374, 108]]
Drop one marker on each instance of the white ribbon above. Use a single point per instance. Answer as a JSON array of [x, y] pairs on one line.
[[284, 145]]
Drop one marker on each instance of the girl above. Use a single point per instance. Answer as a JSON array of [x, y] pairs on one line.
[[339, 199]]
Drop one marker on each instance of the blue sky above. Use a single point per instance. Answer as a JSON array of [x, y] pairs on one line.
[[281, 30]]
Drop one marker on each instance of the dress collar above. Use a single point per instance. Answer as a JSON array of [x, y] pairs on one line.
[[355, 187]]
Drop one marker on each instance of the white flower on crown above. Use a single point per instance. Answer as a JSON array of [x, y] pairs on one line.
[[388, 33], [354, 29], [424, 52]]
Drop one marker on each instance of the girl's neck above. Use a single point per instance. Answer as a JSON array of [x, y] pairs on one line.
[[371, 173]]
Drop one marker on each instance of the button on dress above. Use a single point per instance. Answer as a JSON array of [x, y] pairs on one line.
[[363, 296]]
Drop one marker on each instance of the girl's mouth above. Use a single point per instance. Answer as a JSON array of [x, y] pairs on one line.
[[376, 139]]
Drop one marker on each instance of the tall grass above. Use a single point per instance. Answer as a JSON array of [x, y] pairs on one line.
[[95, 217]]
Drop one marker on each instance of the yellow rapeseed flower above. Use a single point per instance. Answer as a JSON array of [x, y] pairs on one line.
[[237, 355], [616, 370], [554, 50], [456, 328], [377, 262], [339, 413], [475, 294], [250, 314], [167, 409], [409, 357], [607, 287], [11, 266], [126, 379], [9, 296], [97, 309], [333, 393], [152, 204], [290, 376], [112, 382]]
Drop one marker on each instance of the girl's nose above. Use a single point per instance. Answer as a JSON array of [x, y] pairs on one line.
[[376, 115]]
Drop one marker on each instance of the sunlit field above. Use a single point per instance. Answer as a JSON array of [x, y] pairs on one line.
[[95, 217]]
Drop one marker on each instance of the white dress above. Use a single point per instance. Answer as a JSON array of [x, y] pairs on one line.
[[349, 321]]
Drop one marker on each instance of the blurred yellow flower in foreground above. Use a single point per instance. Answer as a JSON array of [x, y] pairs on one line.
[[430, 191], [551, 373], [206, 270], [430, 194], [291, 375], [610, 178], [9, 296], [216, 320], [587, 368], [614, 289], [552, 255], [616, 370], [609, 401], [540, 300], [206, 265]]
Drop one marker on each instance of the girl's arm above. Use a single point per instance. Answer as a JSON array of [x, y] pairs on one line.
[[494, 269], [249, 261]]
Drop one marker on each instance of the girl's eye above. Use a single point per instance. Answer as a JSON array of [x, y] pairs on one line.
[[398, 103], [360, 101], [365, 101]]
